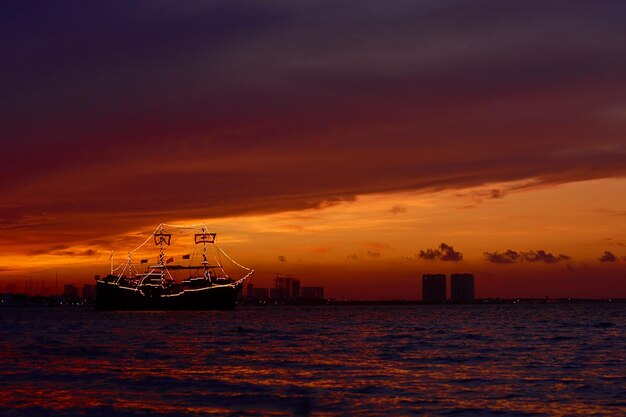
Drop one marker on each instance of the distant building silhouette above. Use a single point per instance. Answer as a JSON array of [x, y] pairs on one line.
[[313, 293], [462, 288], [285, 287], [295, 288], [89, 292], [70, 291], [434, 288], [260, 294], [256, 294]]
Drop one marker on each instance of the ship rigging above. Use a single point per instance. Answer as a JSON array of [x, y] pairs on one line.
[[155, 288]]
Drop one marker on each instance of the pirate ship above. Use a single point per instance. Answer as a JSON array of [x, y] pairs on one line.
[[207, 285]]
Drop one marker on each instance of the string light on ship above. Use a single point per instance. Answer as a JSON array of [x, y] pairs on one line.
[[130, 265], [162, 239]]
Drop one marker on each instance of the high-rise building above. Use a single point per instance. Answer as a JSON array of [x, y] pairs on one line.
[[256, 294], [313, 293], [286, 287], [281, 287], [462, 288], [276, 293], [89, 292], [434, 288], [295, 288]]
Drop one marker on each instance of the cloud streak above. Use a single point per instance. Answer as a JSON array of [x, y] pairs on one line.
[[511, 256]]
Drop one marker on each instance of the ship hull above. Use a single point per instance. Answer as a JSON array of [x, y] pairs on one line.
[[111, 296]]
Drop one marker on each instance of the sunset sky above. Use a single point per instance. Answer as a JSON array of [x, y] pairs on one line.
[[354, 145]]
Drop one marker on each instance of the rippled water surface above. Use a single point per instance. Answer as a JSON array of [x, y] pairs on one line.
[[344, 360]]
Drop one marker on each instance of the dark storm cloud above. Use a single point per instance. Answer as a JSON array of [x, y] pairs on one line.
[[117, 114], [444, 253], [511, 256]]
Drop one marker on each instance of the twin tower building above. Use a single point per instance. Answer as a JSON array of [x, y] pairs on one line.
[[434, 288]]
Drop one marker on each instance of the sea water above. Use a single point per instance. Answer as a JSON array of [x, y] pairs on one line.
[[518, 360]]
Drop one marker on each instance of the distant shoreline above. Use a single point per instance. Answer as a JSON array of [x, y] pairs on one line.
[[479, 301], [23, 300]]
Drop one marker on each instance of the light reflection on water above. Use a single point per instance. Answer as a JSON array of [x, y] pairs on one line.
[[437, 360]]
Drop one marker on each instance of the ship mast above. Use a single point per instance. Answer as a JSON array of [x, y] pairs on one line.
[[130, 264], [205, 238], [161, 239], [205, 262]]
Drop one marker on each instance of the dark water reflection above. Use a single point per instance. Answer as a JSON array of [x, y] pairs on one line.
[[435, 360]]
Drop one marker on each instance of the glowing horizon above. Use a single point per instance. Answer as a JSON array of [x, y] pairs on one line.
[[341, 245]]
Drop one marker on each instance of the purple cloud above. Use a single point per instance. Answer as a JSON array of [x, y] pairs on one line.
[[116, 113]]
